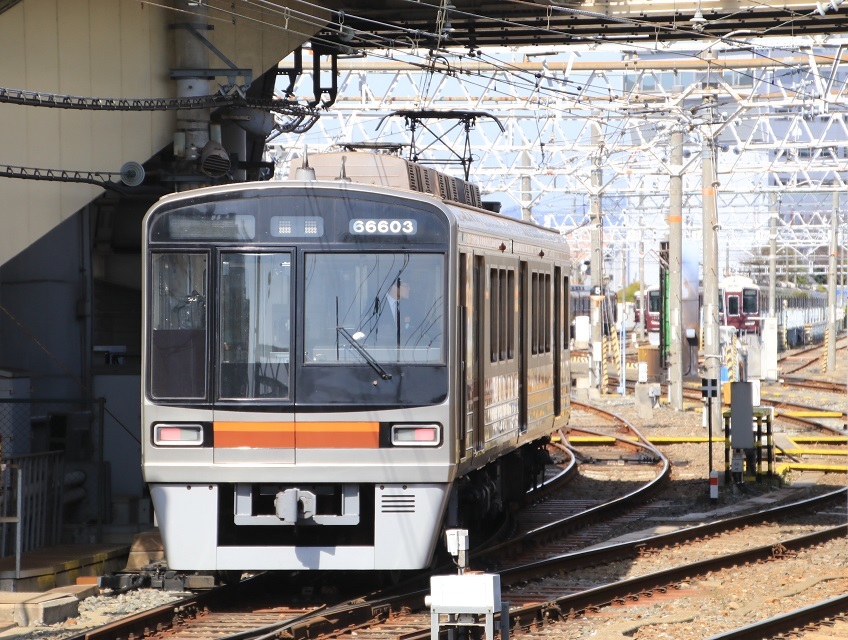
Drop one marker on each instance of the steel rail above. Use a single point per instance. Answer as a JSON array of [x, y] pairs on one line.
[[694, 393], [361, 612], [828, 386], [593, 514], [537, 615], [646, 585], [790, 621]]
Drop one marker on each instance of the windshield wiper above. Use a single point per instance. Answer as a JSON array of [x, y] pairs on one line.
[[385, 375]]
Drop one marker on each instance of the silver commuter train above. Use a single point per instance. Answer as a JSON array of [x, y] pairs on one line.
[[293, 416]]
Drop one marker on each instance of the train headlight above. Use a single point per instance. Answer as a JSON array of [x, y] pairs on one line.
[[416, 435], [178, 435]]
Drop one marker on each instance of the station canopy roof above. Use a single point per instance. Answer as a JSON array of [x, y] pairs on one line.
[[521, 23]]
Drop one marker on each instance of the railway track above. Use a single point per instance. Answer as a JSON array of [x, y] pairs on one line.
[[786, 410], [403, 615], [202, 614], [827, 619], [562, 524], [540, 590], [827, 386], [804, 357]]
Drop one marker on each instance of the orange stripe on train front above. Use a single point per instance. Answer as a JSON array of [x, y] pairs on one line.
[[338, 435], [308, 435], [254, 435]]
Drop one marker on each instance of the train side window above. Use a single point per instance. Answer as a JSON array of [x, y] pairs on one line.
[[494, 315], [534, 313], [566, 313], [548, 312], [540, 313], [178, 283], [504, 323], [502, 310], [511, 311]]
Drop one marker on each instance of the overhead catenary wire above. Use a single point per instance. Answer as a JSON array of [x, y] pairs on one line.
[[391, 44], [516, 79], [425, 61]]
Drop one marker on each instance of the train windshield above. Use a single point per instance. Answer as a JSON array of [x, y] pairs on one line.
[[733, 305], [654, 302], [750, 301], [178, 325], [255, 320], [374, 308]]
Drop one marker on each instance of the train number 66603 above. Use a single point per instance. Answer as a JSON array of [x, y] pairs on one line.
[[385, 226]]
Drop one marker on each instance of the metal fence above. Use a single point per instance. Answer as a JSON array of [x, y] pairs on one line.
[[51, 470], [31, 501]]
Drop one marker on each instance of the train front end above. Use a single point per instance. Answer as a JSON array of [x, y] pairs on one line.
[[296, 388]]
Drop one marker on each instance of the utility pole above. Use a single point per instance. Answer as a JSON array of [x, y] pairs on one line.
[[768, 335], [831, 334], [643, 303], [772, 293], [675, 272], [597, 259], [526, 208], [622, 331], [191, 74], [712, 346]]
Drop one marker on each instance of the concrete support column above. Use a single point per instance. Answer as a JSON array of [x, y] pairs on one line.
[[712, 346], [643, 302], [526, 196], [831, 285], [675, 271], [192, 126], [772, 294], [597, 258]]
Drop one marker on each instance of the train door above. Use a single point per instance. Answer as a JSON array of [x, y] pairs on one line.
[[500, 381], [565, 345], [539, 356], [477, 368], [523, 323], [557, 342], [467, 354]]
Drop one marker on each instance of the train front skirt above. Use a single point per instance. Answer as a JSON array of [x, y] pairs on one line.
[[405, 532]]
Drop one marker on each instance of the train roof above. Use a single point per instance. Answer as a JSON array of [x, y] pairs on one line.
[[383, 170], [782, 288], [373, 172], [737, 283], [477, 225]]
